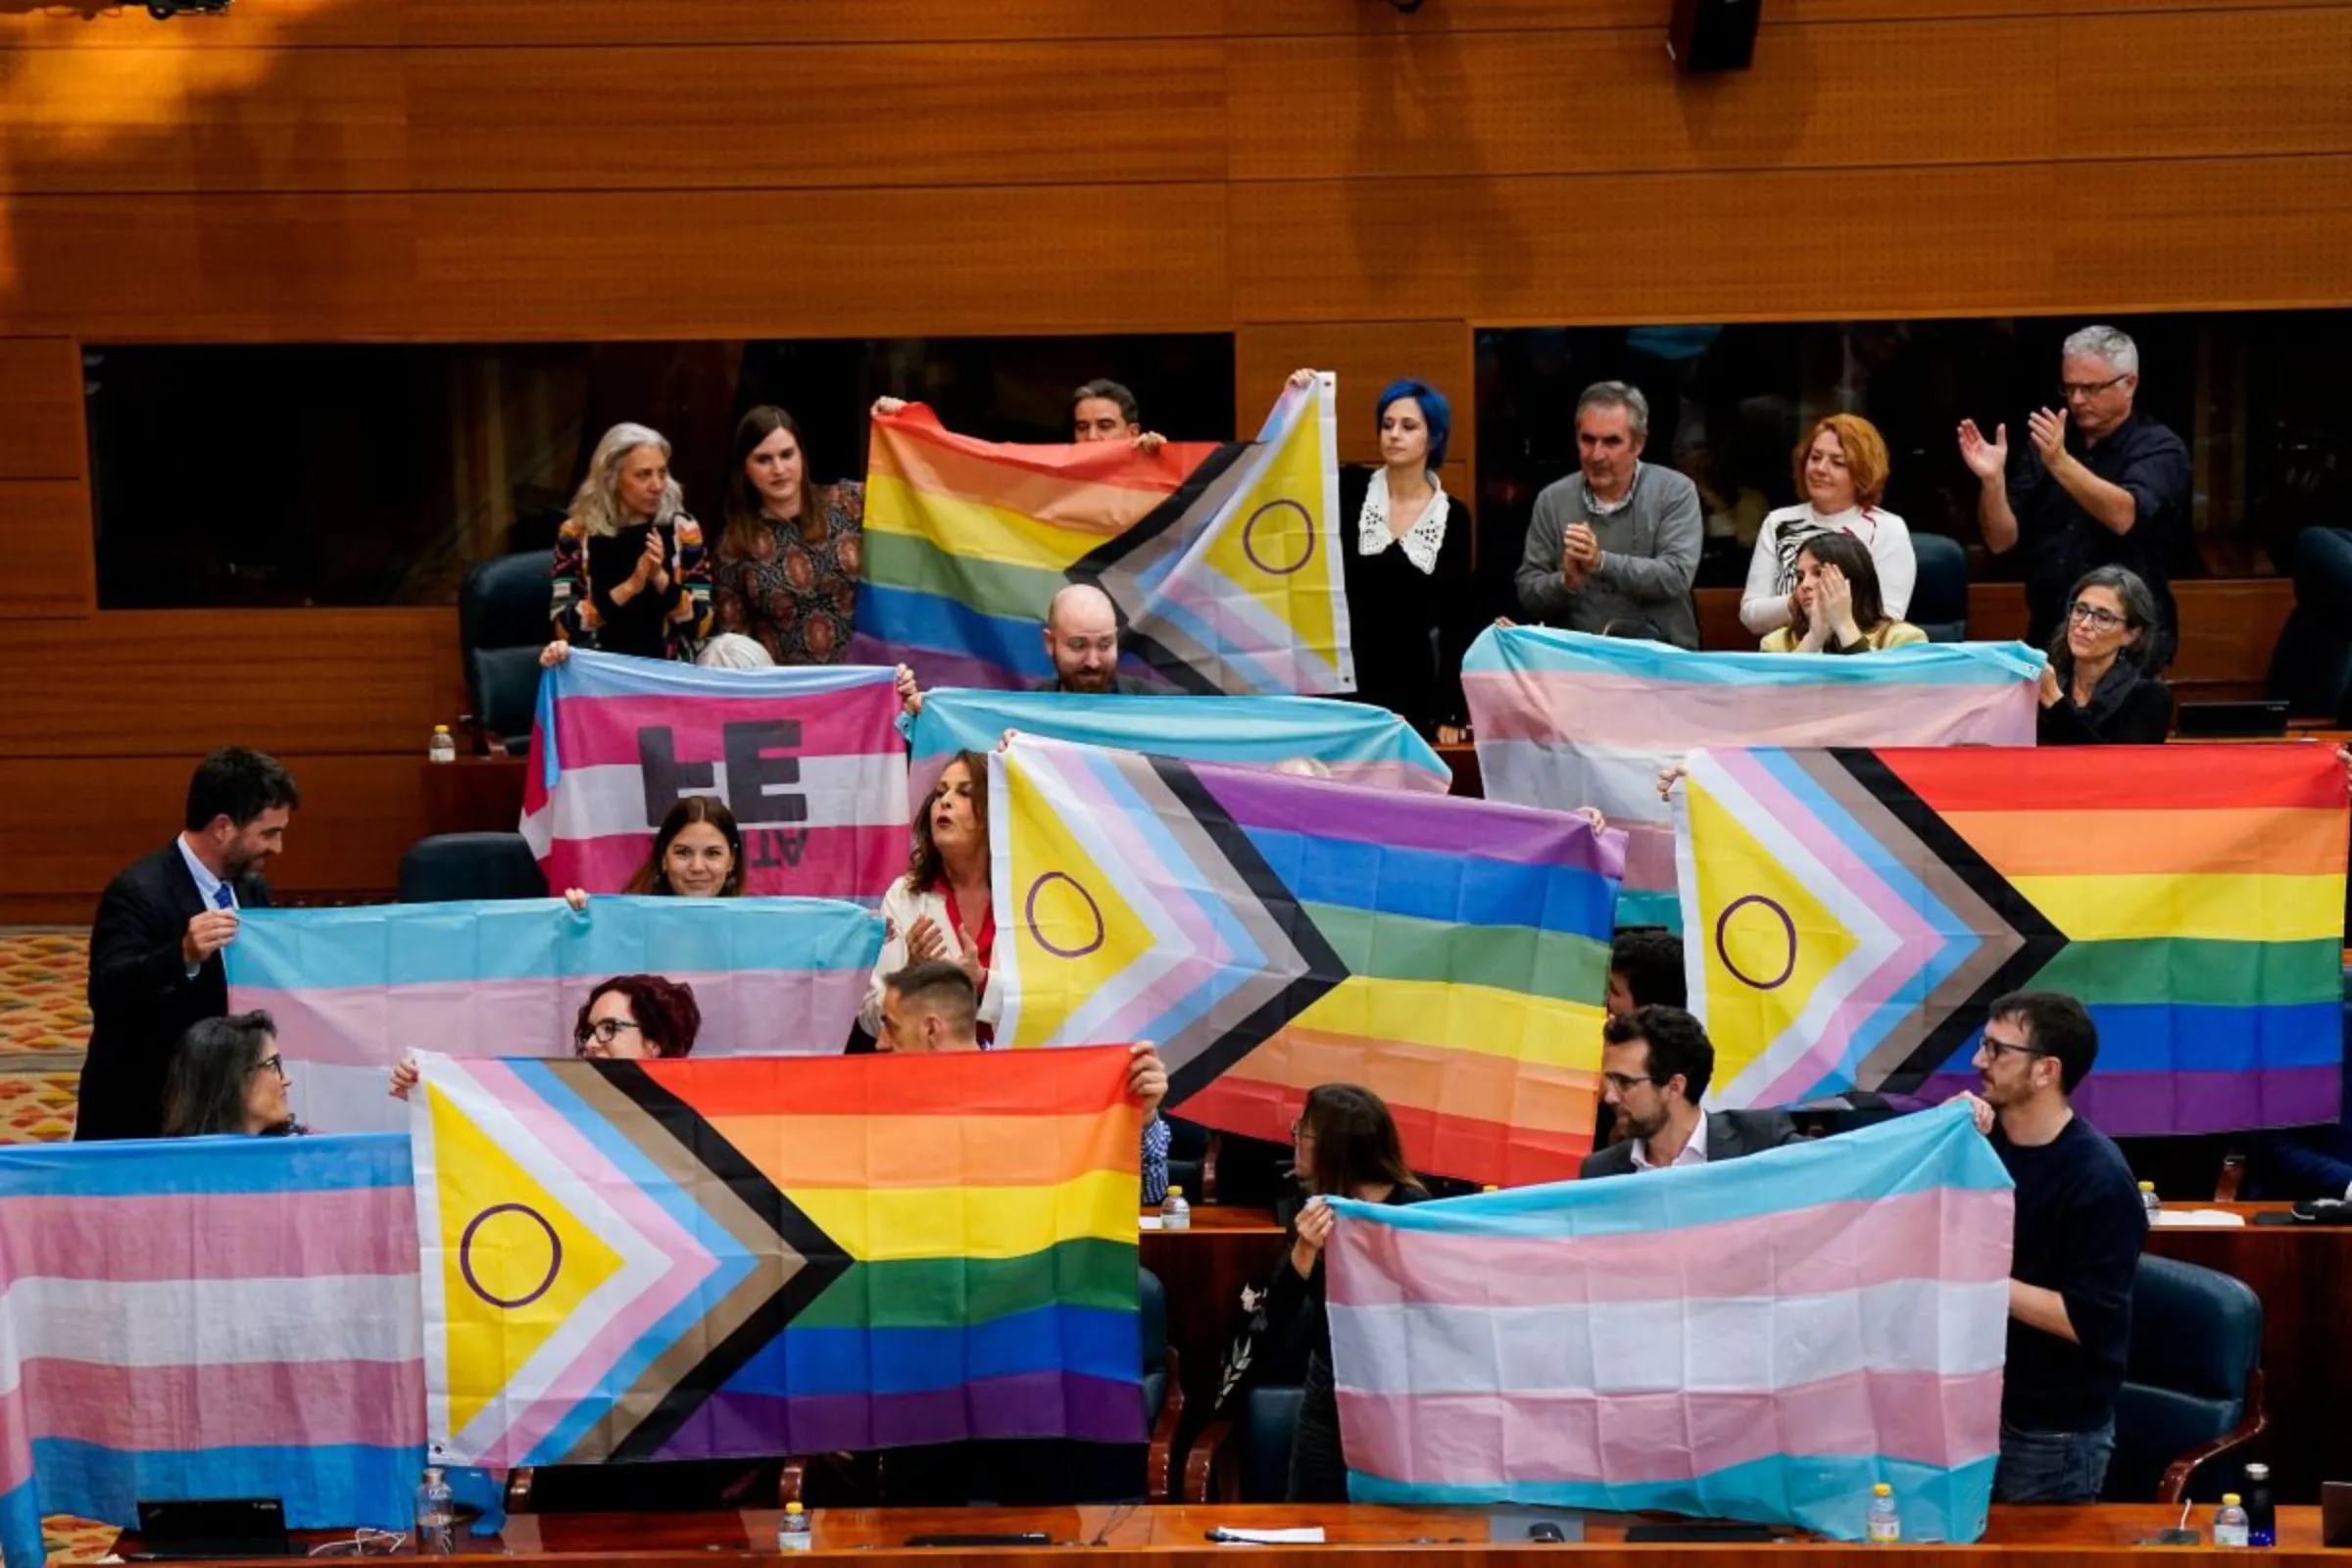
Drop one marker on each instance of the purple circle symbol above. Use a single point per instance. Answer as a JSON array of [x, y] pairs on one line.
[[1721, 950], [554, 1258], [1250, 528], [1029, 915]]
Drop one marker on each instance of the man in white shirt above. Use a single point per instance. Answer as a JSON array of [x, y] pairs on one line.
[[154, 949], [1655, 1062]]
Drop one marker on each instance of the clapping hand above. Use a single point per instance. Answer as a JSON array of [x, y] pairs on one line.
[[2048, 431], [925, 941], [653, 564], [1989, 461]]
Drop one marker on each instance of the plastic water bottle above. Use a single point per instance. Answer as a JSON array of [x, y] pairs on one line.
[[436, 1516], [443, 747], [2150, 1201], [793, 1534], [2262, 1513], [1175, 1215], [2230, 1524], [1883, 1527]]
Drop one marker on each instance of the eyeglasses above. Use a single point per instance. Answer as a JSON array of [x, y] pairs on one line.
[[1302, 1133], [2093, 616], [2007, 1048], [602, 1032], [1624, 1082], [275, 1064], [2084, 389]]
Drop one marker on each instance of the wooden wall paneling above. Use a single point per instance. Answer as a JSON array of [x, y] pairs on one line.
[[165, 118], [358, 814], [2216, 233], [1557, 101], [1616, 248], [40, 410], [755, 22], [45, 530], [228, 267], [2234, 82], [1366, 355], [178, 684], [772, 117], [1008, 259]]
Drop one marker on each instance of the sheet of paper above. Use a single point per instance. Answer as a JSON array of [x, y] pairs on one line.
[[1310, 1535], [2199, 1216], [1149, 1222]]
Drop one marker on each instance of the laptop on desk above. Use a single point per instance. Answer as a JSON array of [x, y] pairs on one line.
[[182, 1528]]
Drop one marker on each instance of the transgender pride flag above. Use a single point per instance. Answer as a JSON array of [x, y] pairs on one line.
[[354, 991], [1565, 720], [809, 760], [1761, 1340], [211, 1317]]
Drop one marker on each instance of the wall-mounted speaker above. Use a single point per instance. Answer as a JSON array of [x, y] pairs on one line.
[[1714, 34]]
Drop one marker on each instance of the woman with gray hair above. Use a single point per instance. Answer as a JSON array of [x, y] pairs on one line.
[[631, 575], [2099, 689]]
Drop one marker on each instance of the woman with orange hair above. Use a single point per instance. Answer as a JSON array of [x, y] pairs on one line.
[[1841, 472]]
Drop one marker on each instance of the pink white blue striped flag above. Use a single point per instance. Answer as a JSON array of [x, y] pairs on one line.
[[354, 991], [1761, 1340], [809, 760], [1564, 719], [208, 1317]]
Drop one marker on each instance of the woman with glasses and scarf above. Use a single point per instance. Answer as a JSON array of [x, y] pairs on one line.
[[227, 1077], [2098, 688], [630, 1017]]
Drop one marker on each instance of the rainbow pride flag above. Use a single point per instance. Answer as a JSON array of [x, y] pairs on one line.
[[1270, 934], [1762, 1341], [1223, 559], [809, 760], [1351, 742], [1851, 913], [354, 991], [205, 1318], [699, 1260], [1564, 719]]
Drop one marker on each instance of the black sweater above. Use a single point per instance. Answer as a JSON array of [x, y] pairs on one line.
[[2079, 1228], [2127, 709]]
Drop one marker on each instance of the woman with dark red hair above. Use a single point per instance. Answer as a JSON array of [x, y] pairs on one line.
[[630, 1017]]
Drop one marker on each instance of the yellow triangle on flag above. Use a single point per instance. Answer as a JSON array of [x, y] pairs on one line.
[[1270, 541], [515, 1262], [1075, 931], [1767, 941]]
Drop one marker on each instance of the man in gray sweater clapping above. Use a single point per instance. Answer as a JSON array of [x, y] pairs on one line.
[[1616, 543]]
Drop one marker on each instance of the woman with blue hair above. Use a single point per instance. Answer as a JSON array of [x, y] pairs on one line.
[[1411, 600]]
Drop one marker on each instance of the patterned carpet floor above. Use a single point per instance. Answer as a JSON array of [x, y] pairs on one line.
[[44, 1030]]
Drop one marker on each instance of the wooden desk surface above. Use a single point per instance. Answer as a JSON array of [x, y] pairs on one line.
[[1456, 1537]]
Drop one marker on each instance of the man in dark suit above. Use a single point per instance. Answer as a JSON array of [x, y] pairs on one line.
[[154, 949], [1655, 1062]]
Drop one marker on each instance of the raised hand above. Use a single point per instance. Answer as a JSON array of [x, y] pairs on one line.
[[1989, 461]]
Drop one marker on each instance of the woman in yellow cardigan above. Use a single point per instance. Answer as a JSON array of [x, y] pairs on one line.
[[1834, 606]]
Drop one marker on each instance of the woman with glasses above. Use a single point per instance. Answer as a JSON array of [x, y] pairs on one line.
[[227, 1077], [2099, 687], [630, 1017], [1346, 1146]]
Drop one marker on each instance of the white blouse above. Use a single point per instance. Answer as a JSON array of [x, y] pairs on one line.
[[1772, 570], [901, 910]]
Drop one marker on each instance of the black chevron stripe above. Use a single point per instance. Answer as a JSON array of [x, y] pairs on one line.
[[823, 1259], [2042, 940]]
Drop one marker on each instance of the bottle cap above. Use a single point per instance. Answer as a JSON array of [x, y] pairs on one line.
[[2229, 1499], [2147, 1186], [1490, 1188], [1175, 1192], [432, 1473], [1881, 1490], [791, 1509], [440, 729], [2258, 1472]]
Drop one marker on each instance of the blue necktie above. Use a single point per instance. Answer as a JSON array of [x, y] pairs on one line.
[[222, 898]]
